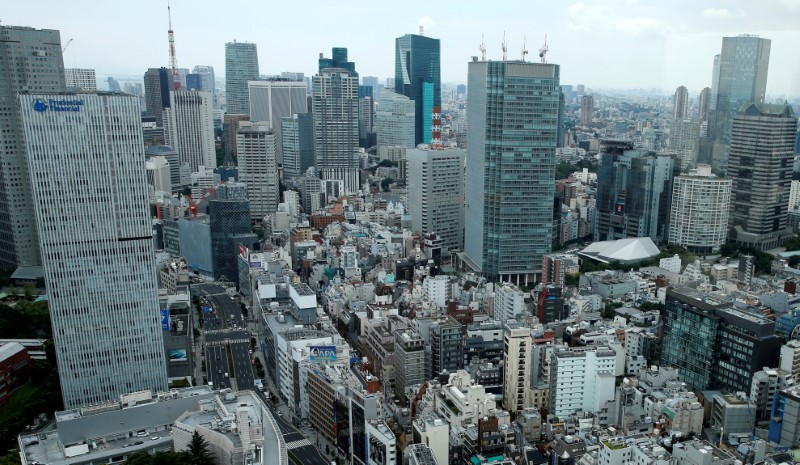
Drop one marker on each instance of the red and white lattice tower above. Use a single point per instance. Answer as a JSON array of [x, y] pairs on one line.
[[173, 58]]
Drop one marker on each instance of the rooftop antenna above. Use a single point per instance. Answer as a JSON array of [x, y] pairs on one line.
[[505, 47], [173, 59], [483, 49], [524, 50], [543, 51], [421, 30]]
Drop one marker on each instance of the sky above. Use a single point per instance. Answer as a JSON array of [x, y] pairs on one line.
[[604, 44]]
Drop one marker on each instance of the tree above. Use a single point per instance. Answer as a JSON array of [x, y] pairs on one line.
[[198, 451], [386, 183]]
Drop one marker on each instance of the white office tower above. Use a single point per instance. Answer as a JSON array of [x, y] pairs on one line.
[[257, 152], [684, 137], [80, 78], [158, 174], [581, 380], [698, 218], [335, 109], [189, 128], [436, 194], [276, 99], [87, 165], [517, 360], [394, 120]]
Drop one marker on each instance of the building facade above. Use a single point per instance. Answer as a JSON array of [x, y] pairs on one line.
[[680, 103], [517, 360], [80, 78], [257, 146], [297, 141], [587, 109], [417, 75], [189, 128], [273, 100], [157, 85], [699, 212], [241, 67], [510, 174], [395, 120], [19, 243], [98, 255], [684, 139]]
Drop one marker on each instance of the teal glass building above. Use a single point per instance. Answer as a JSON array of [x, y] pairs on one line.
[[417, 75], [241, 65]]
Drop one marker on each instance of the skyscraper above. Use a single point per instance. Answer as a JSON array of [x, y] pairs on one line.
[[762, 148], [417, 75], [634, 188], [335, 108], [241, 66], [98, 255], [436, 194], [517, 359], [257, 148], [189, 128], [703, 103], [273, 100], [30, 59], [684, 135], [157, 84], [194, 82], [587, 108], [680, 103], [699, 212], [80, 78], [742, 78], [298, 144], [229, 226], [338, 60], [394, 120], [510, 175], [206, 78]]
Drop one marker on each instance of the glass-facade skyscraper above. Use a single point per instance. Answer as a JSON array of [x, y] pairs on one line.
[[157, 84], [417, 75], [241, 65], [512, 131], [230, 226], [91, 200]]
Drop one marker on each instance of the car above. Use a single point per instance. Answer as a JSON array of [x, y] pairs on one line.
[[226, 375], [280, 414], [137, 443], [219, 372], [155, 438]]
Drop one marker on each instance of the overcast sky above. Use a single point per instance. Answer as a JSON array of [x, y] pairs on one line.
[[601, 43]]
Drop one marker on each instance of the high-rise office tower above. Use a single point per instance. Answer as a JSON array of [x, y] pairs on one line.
[[680, 103], [338, 60], [206, 78], [257, 148], [703, 103], [742, 78], [335, 108], [394, 120], [761, 153], [366, 117], [230, 125], [297, 133], [634, 188], [699, 213], [417, 75], [436, 194], [80, 78], [189, 128], [30, 59], [107, 331], [684, 136], [241, 66], [374, 82], [157, 84], [517, 359], [510, 175], [229, 215], [194, 82], [587, 108], [273, 100]]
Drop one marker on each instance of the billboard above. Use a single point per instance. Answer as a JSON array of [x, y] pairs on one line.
[[177, 355], [323, 354], [164, 319]]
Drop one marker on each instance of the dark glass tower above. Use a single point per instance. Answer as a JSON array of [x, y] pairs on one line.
[[417, 75], [230, 226], [338, 60]]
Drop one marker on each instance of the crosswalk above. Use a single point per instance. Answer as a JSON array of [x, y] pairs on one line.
[[227, 341], [298, 444]]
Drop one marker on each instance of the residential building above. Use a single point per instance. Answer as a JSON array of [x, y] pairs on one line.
[[766, 383], [517, 360], [581, 380], [417, 75], [30, 59], [740, 76], [85, 239], [257, 147], [700, 209], [634, 190], [409, 362], [436, 194], [433, 432], [446, 343], [790, 358], [275, 99], [703, 103], [587, 110], [80, 78], [297, 139], [784, 426], [241, 67], [157, 85], [761, 153], [510, 177], [556, 267], [684, 136], [189, 128], [680, 103], [335, 108], [509, 303], [394, 120]]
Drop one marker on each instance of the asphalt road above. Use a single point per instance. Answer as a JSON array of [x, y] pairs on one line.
[[306, 453]]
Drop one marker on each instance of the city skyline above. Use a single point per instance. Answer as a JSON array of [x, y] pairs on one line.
[[671, 46]]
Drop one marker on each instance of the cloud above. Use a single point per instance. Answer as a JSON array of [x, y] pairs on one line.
[[426, 22], [637, 25], [716, 12]]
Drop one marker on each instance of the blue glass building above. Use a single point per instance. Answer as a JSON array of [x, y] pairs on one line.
[[230, 226], [417, 75]]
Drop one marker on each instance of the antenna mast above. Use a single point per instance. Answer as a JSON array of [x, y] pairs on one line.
[[173, 58], [483, 49], [543, 51], [505, 47], [524, 50]]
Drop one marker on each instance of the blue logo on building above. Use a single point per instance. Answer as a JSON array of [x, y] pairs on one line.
[[39, 105]]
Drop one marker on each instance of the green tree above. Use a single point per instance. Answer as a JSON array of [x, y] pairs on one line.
[[386, 183], [198, 451]]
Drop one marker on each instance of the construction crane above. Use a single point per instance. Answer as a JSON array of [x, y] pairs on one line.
[[66, 46], [173, 58], [543, 51]]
